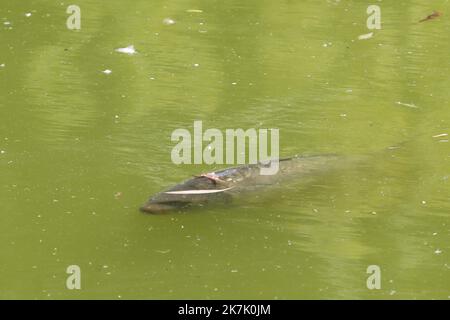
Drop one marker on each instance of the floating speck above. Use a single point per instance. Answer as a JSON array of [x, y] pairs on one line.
[[234, 271], [6, 23], [2, 65], [168, 21], [194, 10], [128, 50], [440, 135], [2, 151], [438, 251], [424, 202], [409, 105], [28, 14], [107, 71], [365, 36], [196, 64]]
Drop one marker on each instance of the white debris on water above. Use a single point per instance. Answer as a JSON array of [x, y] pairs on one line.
[[163, 251], [7, 23], [365, 36], [128, 50], [107, 71], [409, 105], [168, 21], [438, 251], [196, 65], [440, 135], [194, 10], [28, 14], [2, 151]]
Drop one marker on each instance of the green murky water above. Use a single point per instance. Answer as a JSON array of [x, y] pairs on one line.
[[81, 149]]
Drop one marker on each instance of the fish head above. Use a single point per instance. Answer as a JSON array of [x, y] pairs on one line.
[[198, 191]]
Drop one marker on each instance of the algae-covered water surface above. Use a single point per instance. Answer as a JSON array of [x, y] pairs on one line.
[[92, 92]]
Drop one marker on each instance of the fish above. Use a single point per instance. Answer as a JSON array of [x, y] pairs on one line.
[[224, 185], [435, 14]]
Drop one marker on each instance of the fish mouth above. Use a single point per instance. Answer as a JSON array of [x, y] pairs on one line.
[[159, 208]]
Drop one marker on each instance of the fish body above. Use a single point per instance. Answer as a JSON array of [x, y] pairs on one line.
[[224, 185]]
